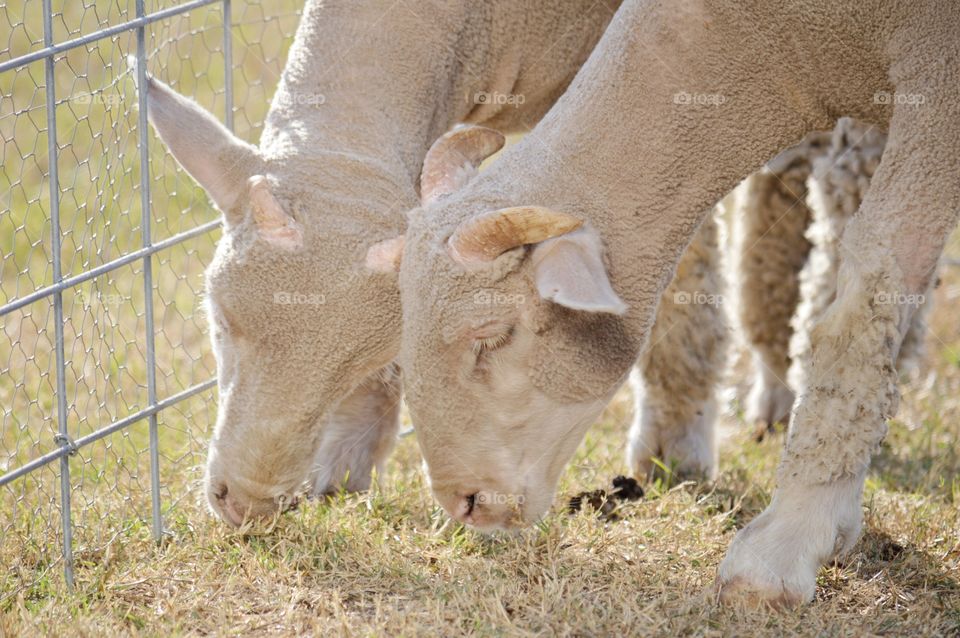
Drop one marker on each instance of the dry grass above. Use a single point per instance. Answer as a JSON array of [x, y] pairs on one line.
[[380, 563], [383, 562]]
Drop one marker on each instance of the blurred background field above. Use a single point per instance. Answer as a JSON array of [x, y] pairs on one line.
[[376, 563]]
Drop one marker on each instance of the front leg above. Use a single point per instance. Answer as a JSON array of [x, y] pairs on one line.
[[889, 253], [359, 435], [838, 423], [675, 380]]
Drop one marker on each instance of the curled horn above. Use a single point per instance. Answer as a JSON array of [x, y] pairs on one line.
[[486, 237], [453, 160]]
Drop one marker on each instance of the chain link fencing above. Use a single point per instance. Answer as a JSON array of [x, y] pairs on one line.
[[107, 382]]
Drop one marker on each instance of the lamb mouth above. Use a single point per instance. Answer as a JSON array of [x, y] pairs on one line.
[[289, 503]]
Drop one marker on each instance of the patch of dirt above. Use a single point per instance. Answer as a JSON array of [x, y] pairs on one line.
[[605, 502]]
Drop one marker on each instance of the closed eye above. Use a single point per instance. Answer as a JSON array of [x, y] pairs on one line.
[[488, 344]]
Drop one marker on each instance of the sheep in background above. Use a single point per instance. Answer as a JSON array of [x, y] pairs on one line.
[[674, 383], [837, 185], [787, 250], [678, 374], [768, 251]]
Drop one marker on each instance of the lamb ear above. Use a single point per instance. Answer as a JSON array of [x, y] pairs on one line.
[[569, 271], [219, 161], [384, 256]]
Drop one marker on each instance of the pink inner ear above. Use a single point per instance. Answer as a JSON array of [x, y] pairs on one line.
[[385, 256]]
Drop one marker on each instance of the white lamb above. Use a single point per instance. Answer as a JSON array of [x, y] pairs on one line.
[[589, 216]]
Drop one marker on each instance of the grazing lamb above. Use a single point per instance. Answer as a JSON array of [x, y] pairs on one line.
[[583, 222], [304, 313]]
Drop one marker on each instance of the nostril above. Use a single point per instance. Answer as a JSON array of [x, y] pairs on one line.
[[471, 503]]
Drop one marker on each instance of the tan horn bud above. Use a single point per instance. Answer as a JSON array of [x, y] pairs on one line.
[[486, 237], [273, 224], [453, 160]]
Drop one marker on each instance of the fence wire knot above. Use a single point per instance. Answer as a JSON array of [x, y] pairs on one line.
[[65, 441]]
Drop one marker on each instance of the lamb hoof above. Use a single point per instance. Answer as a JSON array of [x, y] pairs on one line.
[[740, 592], [685, 461], [347, 474], [768, 403], [767, 566], [762, 428], [327, 486], [687, 448], [774, 560]]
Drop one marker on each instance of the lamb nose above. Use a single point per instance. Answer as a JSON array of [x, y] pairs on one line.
[[233, 512], [471, 502]]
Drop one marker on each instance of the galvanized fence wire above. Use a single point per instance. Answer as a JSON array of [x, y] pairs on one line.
[[106, 380]]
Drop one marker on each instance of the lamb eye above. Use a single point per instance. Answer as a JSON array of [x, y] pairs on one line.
[[486, 344]]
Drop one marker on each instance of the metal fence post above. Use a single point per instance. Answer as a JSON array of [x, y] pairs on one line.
[[228, 63], [63, 436], [145, 224]]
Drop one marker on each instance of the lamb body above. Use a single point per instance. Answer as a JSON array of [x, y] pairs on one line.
[[501, 395], [307, 390]]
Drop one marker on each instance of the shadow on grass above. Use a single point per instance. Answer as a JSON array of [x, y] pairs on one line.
[[926, 473], [902, 573]]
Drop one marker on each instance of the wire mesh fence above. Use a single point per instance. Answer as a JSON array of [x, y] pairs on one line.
[[106, 379]]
